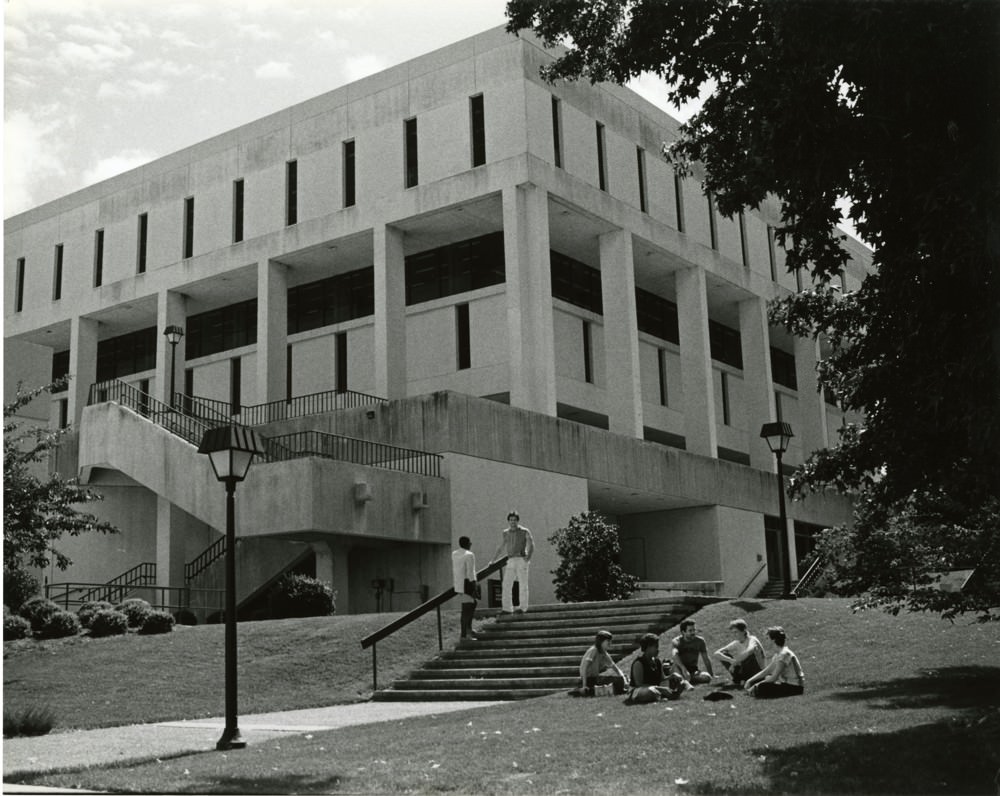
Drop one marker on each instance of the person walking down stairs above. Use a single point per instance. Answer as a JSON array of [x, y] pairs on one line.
[[518, 546], [463, 570]]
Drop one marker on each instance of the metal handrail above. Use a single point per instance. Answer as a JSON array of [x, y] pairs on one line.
[[752, 579], [204, 408], [352, 449], [313, 404], [433, 603], [184, 426], [205, 559], [143, 574], [815, 568], [63, 594]]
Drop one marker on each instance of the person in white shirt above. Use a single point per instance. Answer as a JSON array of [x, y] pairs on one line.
[[743, 657], [518, 546], [782, 676], [597, 660], [463, 570]]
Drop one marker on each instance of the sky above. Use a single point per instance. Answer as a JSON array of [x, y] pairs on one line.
[[94, 88]]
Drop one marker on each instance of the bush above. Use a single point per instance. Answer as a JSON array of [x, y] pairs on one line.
[[157, 622], [27, 721], [589, 548], [185, 617], [18, 588], [89, 609], [60, 625], [300, 595], [15, 627], [135, 610], [37, 610], [108, 623]]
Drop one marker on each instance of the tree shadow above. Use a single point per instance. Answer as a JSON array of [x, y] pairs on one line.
[[747, 606], [956, 755], [958, 687]]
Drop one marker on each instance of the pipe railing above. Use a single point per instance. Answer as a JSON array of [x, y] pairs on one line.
[[434, 603], [752, 579], [354, 450], [175, 421], [205, 559], [112, 591], [162, 598], [816, 568], [316, 403]]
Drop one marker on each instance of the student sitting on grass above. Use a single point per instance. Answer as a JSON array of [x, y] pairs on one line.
[[774, 681], [688, 648], [743, 656], [650, 682], [595, 661]]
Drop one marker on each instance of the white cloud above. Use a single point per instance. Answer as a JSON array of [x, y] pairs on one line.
[[255, 32], [274, 70], [359, 66], [116, 164], [105, 34], [97, 57], [177, 39], [131, 88], [163, 67], [32, 151], [15, 38]]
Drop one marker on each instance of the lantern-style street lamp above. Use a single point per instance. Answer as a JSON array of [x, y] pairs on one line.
[[173, 335], [231, 449], [778, 435]]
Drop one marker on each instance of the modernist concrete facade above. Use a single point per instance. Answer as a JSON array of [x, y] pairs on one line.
[[510, 265]]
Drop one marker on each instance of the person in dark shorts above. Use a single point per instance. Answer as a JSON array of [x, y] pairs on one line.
[[649, 677], [783, 676], [744, 655], [688, 647], [595, 661]]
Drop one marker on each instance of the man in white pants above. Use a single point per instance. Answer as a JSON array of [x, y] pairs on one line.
[[518, 545]]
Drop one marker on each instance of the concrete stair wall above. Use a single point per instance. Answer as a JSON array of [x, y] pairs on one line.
[[539, 652]]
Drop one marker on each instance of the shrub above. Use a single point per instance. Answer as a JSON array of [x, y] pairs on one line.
[[108, 623], [300, 595], [589, 548], [60, 625], [157, 622], [185, 617], [27, 721], [18, 587], [135, 610], [15, 627], [37, 610], [89, 609]]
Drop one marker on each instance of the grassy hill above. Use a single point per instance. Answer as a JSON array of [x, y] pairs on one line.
[[905, 704]]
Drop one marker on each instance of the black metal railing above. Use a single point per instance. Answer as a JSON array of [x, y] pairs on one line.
[[175, 421], [316, 403], [816, 569], [207, 409], [752, 579], [434, 603], [205, 559], [351, 449], [115, 590], [163, 598]]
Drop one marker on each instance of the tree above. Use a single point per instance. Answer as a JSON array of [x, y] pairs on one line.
[[38, 512], [893, 106], [589, 548]]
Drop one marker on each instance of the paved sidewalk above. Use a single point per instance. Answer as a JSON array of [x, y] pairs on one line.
[[137, 742]]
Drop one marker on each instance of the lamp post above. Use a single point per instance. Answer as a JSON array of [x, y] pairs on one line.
[[778, 435], [173, 335], [231, 449]]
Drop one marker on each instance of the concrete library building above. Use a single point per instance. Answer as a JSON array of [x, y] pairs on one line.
[[439, 293]]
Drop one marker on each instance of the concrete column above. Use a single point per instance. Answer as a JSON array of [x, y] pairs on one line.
[[623, 386], [793, 564], [272, 330], [169, 544], [390, 312], [812, 408], [170, 311], [82, 364], [696, 363], [758, 386], [529, 298], [331, 567]]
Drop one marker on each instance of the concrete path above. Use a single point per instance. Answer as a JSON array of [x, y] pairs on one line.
[[114, 745]]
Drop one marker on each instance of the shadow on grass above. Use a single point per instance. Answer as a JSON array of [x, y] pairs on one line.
[[959, 687], [957, 755], [747, 606]]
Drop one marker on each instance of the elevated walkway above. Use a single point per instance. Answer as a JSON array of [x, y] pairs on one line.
[[537, 653]]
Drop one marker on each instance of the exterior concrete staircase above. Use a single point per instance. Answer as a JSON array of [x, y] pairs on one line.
[[537, 653], [773, 589]]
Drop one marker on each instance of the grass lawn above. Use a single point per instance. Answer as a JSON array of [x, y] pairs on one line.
[[286, 664], [906, 704]]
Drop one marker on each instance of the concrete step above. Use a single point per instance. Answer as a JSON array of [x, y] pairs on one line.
[[549, 684], [460, 695], [486, 659], [560, 645], [611, 606], [585, 623], [564, 636], [495, 672]]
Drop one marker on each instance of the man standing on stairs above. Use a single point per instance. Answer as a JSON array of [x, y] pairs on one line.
[[463, 572], [518, 546]]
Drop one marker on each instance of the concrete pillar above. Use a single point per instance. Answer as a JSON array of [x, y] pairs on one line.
[[170, 311], [812, 408], [390, 312], [696, 363], [529, 298], [331, 567], [169, 544], [623, 386], [793, 563], [272, 331], [82, 364], [758, 386]]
